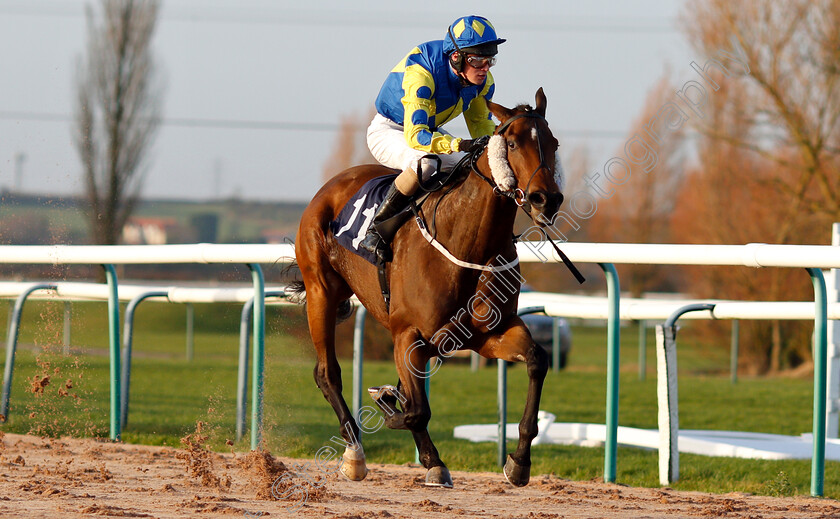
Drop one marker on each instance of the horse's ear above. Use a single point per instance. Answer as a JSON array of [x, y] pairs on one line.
[[541, 102], [501, 113]]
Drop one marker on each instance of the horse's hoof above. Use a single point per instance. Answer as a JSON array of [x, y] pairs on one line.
[[438, 477], [516, 474], [353, 464]]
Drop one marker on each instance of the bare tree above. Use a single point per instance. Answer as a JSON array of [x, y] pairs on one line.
[[793, 93], [350, 148], [769, 149], [118, 111], [639, 209]]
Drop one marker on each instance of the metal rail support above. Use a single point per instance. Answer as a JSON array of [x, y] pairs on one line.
[[613, 350], [190, 324], [258, 355], [114, 341], [11, 345], [734, 346], [502, 397], [642, 349], [475, 361], [820, 359], [242, 372], [666, 393], [358, 360], [555, 345], [128, 340], [427, 387], [68, 313]]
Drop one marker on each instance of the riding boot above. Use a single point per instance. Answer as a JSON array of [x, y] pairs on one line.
[[378, 241]]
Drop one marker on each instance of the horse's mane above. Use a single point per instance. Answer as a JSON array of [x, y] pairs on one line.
[[524, 107]]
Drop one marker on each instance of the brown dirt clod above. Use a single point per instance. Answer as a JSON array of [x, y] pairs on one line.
[[198, 458], [38, 383]]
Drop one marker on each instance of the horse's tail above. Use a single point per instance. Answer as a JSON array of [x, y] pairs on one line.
[[296, 293], [295, 290]]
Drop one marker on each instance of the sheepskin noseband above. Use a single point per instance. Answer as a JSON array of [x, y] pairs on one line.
[[499, 166]]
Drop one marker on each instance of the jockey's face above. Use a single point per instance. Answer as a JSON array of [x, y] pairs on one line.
[[476, 67]]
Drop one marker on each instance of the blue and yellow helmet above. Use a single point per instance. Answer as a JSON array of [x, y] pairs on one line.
[[473, 35]]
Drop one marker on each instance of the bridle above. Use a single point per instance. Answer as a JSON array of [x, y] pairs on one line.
[[519, 196]]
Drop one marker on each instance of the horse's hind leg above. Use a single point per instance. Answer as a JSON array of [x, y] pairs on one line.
[[321, 310], [515, 344], [410, 358]]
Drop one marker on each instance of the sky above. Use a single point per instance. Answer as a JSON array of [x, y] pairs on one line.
[[254, 90]]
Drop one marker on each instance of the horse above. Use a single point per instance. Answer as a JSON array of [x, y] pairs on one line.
[[438, 303]]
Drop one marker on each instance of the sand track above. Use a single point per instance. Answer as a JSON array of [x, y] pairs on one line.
[[42, 477]]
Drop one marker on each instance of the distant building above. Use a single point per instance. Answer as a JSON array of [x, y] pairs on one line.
[[277, 235], [147, 231]]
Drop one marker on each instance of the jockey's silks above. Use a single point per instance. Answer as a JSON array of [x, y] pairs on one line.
[[422, 93]]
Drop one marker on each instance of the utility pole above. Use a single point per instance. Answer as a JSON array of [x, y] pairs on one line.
[[20, 158], [217, 178]]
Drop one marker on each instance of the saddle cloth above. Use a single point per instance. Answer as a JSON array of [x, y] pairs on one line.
[[352, 223]]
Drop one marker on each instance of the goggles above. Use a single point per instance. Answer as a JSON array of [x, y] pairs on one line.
[[480, 61]]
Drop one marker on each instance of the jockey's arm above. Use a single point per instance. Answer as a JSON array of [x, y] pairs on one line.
[[419, 87]]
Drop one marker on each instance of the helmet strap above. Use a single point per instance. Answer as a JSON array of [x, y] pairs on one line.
[[464, 81], [458, 64]]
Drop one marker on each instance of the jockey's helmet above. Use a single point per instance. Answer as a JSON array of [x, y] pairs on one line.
[[471, 35]]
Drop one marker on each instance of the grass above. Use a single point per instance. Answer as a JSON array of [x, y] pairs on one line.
[[169, 395]]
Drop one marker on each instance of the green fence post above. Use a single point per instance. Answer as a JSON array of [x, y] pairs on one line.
[[820, 357], [190, 331], [733, 351], [428, 387], [114, 341], [613, 348], [67, 322], [501, 391], [642, 349], [258, 355]]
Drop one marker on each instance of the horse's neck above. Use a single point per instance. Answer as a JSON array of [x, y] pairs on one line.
[[474, 223]]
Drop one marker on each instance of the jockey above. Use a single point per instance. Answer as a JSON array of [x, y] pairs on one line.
[[433, 84]]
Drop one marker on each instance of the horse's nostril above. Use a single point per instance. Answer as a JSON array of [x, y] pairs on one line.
[[537, 199]]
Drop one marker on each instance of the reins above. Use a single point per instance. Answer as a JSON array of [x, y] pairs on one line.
[[518, 195]]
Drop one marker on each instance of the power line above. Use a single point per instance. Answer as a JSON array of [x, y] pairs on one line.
[[242, 124], [392, 20]]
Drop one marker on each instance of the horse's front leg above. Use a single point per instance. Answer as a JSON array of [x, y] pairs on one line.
[[411, 354], [516, 345]]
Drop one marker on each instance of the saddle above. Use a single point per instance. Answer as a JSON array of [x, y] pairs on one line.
[[351, 224]]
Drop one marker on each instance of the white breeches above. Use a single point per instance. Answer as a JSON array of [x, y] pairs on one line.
[[387, 144]]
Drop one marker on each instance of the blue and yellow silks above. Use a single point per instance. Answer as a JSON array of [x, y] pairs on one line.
[[422, 93]]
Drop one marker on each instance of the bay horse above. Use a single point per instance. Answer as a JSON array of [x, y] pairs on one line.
[[434, 300]]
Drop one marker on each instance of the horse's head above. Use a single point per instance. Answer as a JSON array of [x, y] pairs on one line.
[[523, 159]]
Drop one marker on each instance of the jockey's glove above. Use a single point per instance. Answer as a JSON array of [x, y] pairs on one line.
[[470, 145], [467, 144]]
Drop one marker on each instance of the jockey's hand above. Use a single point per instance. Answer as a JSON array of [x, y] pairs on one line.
[[473, 144], [466, 144]]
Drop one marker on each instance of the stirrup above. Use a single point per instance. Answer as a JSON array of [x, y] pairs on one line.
[[368, 242], [381, 248]]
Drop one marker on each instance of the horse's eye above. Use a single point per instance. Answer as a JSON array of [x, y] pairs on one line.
[[511, 145]]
